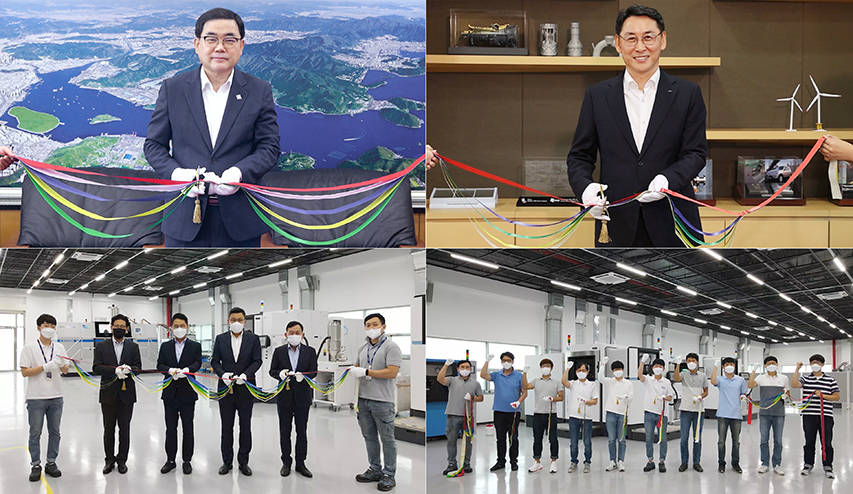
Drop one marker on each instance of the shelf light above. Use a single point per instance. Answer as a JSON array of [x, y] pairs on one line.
[[474, 261], [630, 269]]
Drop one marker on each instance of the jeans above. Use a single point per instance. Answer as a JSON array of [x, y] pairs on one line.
[[540, 423], [650, 421], [811, 429], [615, 424], [506, 424], [688, 419], [36, 411], [723, 425], [376, 420], [456, 423], [765, 422], [574, 434]]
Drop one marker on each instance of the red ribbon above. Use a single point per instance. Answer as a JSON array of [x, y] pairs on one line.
[[749, 414], [822, 430]]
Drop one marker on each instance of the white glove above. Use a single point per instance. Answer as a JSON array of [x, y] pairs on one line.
[[515, 404], [230, 175], [227, 378], [182, 373], [358, 371], [717, 363], [548, 399], [283, 374], [467, 396], [581, 400], [449, 362], [653, 193], [697, 398], [570, 364], [120, 373], [742, 397], [51, 367], [190, 175], [489, 357], [526, 369], [605, 360], [593, 196], [678, 358], [241, 379], [624, 397], [645, 358], [173, 371], [755, 367], [299, 377]]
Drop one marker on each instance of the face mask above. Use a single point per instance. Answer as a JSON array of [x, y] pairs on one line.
[[374, 333], [48, 332], [581, 375], [657, 370], [119, 333], [692, 365], [179, 333], [294, 339], [618, 373], [771, 368], [546, 371], [236, 327], [730, 369], [816, 367], [506, 365], [464, 372]]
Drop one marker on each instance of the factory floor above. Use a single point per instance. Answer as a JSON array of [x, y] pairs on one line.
[[634, 480], [336, 451]]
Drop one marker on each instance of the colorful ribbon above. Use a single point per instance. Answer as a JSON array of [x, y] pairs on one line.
[[467, 435]]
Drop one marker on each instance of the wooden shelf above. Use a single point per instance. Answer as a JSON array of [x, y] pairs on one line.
[[533, 63], [801, 136]]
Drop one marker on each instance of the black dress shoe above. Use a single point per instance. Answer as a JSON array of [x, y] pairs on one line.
[[35, 473], [304, 471], [245, 470], [497, 466], [368, 476], [682, 467], [122, 468], [649, 466], [225, 468], [450, 468], [52, 470], [722, 468], [698, 467], [109, 468], [467, 469], [736, 468], [285, 470], [661, 467], [188, 468], [168, 467], [513, 466]]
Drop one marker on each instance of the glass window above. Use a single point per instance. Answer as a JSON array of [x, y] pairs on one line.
[[398, 325], [444, 348]]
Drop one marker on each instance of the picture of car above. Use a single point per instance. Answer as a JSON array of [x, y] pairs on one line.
[[778, 172]]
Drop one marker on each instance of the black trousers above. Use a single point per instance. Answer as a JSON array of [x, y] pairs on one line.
[[186, 411], [540, 423], [212, 233], [287, 416], [119, 414], [506, 424], [811, 428], [642, 239], [229, 406]]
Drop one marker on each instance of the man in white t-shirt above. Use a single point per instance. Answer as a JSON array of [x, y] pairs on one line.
[[41, 364], [658, 392], [584, 395], [771, 414], [618, 392]]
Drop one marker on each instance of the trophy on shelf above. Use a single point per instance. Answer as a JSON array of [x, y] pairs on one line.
[[793, 100], [575, 48], [608, 40], [819, 124], [548, 39]]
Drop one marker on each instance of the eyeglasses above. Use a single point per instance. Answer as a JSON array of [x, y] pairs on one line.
[[119, 327], [228, 42], [648, 39]]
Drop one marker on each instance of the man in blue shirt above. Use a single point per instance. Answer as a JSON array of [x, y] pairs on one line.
[[509, 394], [732, 390]]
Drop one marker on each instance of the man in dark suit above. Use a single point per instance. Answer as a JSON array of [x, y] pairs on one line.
[[237, 357], [222, 126], [177, 358], [116, 358], [649, 130], [293, 359]]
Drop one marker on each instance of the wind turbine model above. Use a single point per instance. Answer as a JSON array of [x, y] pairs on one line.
[[793, 100], [817, 97]]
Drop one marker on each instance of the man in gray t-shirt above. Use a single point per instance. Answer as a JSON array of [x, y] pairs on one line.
[[546, 391], [376, 366], [694, 389], [462, 392]]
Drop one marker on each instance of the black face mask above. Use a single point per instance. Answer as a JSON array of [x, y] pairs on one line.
[[119, 333]]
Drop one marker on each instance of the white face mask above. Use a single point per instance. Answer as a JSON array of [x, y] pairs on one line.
[[816, 367], [179, 333], [294, 339], [464, 372], [546, 371], [48, 333], [581, 375], [236, 327], [618, 373], [506, 365], [771, 368], [374, 333], [692, 365], [730, 369], [657, 370]]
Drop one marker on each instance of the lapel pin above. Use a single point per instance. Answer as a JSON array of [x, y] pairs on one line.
[[240, 97]]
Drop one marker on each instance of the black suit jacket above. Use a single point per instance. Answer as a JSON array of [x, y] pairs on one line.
[[105, 364], [248, 139], [180, 390], [675, 147], [248, 362], [299, 395]]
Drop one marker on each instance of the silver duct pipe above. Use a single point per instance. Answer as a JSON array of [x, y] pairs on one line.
[[554, 322]]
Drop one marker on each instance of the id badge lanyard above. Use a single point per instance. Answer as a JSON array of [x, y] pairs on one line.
[[48, 375]]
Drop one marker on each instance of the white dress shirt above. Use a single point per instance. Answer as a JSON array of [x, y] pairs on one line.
[[236, 343], [214, 103], [639, 104]]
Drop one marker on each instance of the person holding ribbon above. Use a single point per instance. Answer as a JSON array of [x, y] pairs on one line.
[[376, 367], [584, 395], [619, 393], [114, 361], [7, 157], [771, 414], [236, 357], [694, 385], [658, 391], [177, 358], [290, 362], [546, 392], [509, 395], [733, 390], [462, 392], [217, 124], [817, 415], [41, 364]]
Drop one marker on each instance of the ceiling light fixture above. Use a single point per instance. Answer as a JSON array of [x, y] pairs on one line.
[[625, 301], [754, 279], [218, 254], [672, 314], [686, 290], [199, 285], [840, 264], [566, 285], [122, 264], [178, 270], [630, 269], [280, 263], [232, 276], [475, 261], [713, 254], [724, 305]]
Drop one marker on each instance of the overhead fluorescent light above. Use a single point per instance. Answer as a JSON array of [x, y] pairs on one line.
[[750, 314], [760, 337], [833, 326], [625, 301], [700, 321], [128, 289], [772, 323], [218, 254], [122, 264], [232, 276], [686, 290], [155, 297], [174, 292], [566, 285], [724, 327], [820, 341], [812, 338], [789, 299], [149, 249], [46, 272], [280, 263], [84, 287], [672, 314], [111, 295], [789, 329], [29, 291], [36, 282], [774, 341], [801, 333], [713, 254], [178, 270], [102, 276], [199, 285], [630, 269], [471, 260], [743, 332], [71, 293], [724, 305], [819, 318], [754, 279], [805, 309], [840, 264], [152, 280], [58, 258], [784, 342]]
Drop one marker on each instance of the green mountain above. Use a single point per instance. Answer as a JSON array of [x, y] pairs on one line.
[[384, 160], [293, 161], [36, 51], [400, 117], [141, 67]]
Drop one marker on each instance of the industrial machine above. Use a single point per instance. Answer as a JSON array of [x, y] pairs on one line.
[[80, 339]]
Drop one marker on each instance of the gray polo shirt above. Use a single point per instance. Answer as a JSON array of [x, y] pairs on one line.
[[692, 385], [379, 356], [457, 388], [541, 389]]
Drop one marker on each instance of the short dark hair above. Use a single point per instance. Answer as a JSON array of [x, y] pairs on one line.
[[293, 324], [236, 310], [463, 362], [633, 11], [546, 361], [122, 317], [817, 357], [45, 318], [770, 358], [617, 364], [659, 361], [727, 360], [215, 14], [582, 365], [508, 354], [693, 356], [182, 317], [376, 315]]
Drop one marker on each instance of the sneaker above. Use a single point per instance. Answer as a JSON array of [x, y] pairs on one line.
[[736, 468], [698, 467], [35, 473], [763, 469], [621, 466], [650, 465], [553, 468], [386, 484], [497, 466], [778, 470], [586, 468], [52, 470], [467, 468], [611, 466], [449, 469], [828, 472], [807, 470], [535, 468], [661, 467], [682, 467], [368, 476], [573, 467]]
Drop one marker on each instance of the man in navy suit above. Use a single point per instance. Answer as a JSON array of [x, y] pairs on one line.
[[236, 357], [222, 126], [294, 401], [114, 360], [177, 358], [649, 130]]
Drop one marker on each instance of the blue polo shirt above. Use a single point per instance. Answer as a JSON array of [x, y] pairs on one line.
[[507, 390], [730, 391]]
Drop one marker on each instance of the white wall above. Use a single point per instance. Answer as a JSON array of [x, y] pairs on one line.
[[800, 352]]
